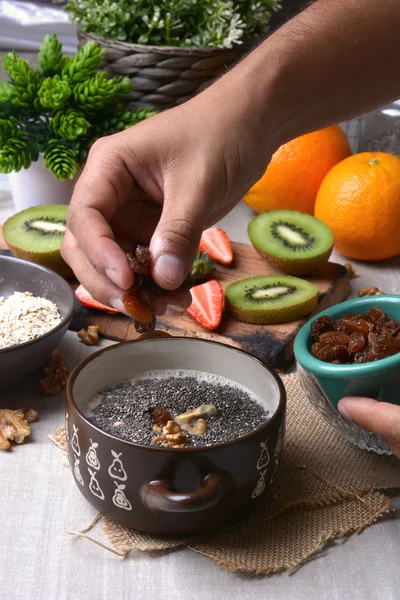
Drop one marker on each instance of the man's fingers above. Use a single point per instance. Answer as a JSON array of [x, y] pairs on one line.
[[98, 286], [105, 291], [176, 238], [97, 196], [380, 417]]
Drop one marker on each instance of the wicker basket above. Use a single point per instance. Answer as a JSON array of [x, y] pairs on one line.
[[163, 76]]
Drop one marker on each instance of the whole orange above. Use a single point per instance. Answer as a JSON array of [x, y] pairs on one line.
[[360, 201], [296, 171]]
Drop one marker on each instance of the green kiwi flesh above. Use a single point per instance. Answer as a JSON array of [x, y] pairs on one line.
[[295, 243], [270, 299], [36, 233]]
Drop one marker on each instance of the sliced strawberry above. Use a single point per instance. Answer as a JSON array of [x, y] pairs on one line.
[[216, 242], [207, 304], [87, 300], [137, 309]]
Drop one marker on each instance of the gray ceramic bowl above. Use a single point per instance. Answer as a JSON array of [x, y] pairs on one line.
[[16, 362]]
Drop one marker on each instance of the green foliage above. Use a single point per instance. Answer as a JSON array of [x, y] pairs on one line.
[[70, 124], [8, 129], [99, 91], [60, 108], [51, 59], [24, 79], [215, 23], [5, 92], [84, 65], [18, 152], [60, 159], [54, 92]]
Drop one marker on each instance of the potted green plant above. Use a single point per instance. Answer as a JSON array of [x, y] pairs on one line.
[[170, 49], [51, 115]]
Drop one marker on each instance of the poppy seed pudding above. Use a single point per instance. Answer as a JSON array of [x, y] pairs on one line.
[[126, 410]]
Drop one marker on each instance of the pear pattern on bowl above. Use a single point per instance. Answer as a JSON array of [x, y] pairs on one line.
[[75, 441], [278, 449], [260, 487], [119, 498], [77, 472], [91, 456], [116, 469], [263, 461], [262, 465], [94, 486]]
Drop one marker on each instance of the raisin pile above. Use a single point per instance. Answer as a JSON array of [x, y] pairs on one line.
[[355, 338]]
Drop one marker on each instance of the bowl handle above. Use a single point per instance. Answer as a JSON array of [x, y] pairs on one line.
[[158, 496]]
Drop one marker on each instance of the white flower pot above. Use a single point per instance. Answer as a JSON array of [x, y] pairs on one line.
[[37, 185]]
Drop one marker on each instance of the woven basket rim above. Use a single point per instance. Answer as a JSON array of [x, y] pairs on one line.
[[177, 50]]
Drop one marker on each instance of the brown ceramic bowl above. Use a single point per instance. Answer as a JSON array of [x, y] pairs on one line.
[[16, 275], [173, 491]]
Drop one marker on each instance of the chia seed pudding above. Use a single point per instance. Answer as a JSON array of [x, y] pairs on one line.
[[126, 410]]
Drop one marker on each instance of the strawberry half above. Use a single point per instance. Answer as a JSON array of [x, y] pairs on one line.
[[207, 304], [216, 243], [87, 300]]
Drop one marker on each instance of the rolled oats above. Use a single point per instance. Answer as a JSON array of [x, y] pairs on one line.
[[24, 317]]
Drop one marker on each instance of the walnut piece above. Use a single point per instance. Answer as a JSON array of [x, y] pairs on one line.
[[172, 435], [370, 291], [351, 270], [55, 375], [14, 425], [90, 337], [205, 410], [199, 428]]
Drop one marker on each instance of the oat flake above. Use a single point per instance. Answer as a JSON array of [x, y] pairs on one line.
[[24, 317]]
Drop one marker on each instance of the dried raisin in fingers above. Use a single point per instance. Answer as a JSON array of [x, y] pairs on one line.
[[146, 327], [139, 261]]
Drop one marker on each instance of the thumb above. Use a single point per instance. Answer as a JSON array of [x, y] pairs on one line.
[[176, 239], [380, 417]]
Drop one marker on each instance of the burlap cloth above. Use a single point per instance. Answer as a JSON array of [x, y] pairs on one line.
[[325, 489]]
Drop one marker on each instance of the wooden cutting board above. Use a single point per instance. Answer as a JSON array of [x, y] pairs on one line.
[[273, 344]]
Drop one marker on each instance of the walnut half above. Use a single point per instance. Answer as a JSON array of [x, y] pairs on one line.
[[14, 425], [172, 435], [205, 410], [55, 375], [90, 337], [370, 291]]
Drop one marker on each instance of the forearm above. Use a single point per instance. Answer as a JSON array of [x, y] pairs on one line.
[[336, 60]]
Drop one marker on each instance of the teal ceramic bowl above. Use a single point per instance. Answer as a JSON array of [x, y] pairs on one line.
[[325, 383]]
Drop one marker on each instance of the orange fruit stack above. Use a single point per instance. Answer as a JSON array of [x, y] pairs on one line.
[[296, 171], [359, 200]]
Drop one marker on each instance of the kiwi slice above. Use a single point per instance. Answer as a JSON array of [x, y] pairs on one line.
[[35, 234], [270, 299], [292, 241]]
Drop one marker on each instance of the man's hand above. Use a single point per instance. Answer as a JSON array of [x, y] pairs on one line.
[[166, 179], [160, 183], [380, 417]]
